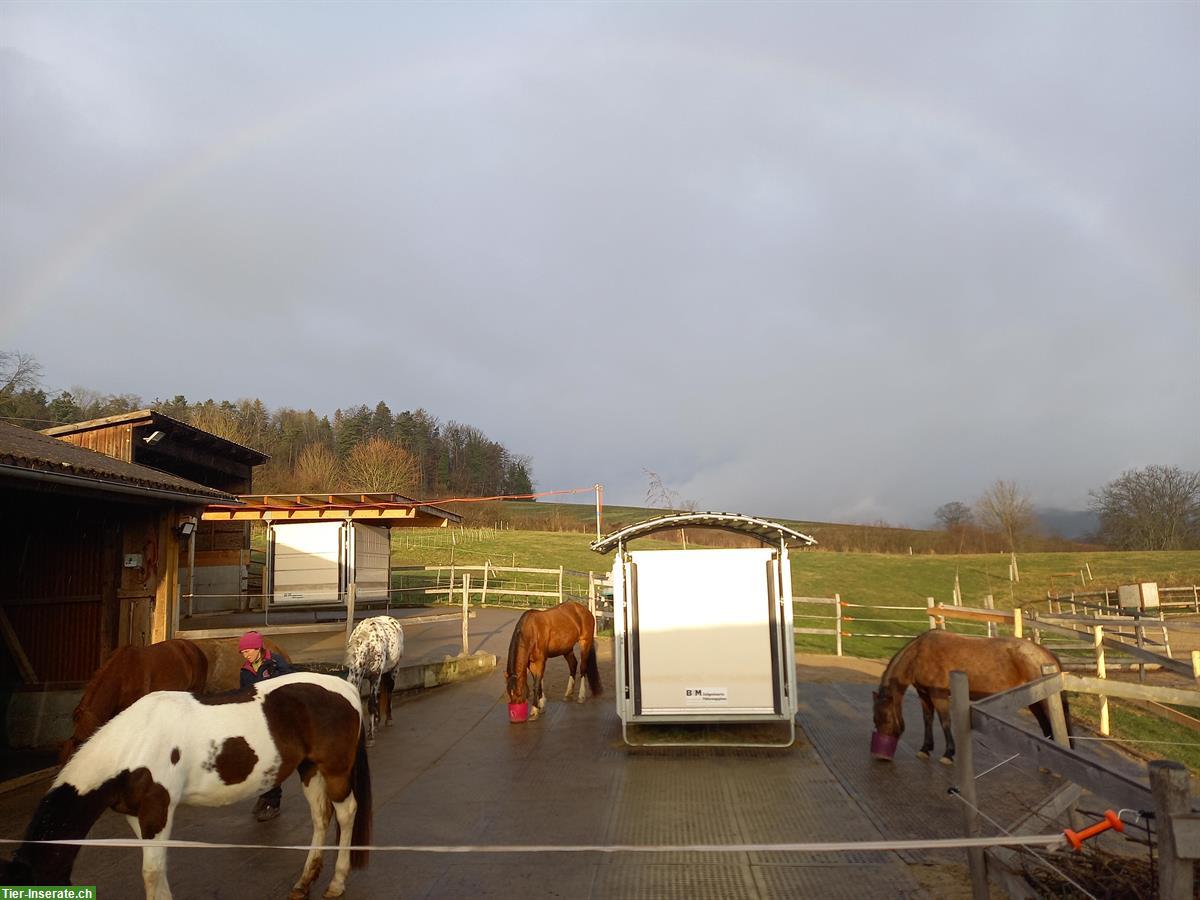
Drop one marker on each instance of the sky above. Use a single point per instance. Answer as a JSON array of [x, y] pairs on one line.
[[836, 262]]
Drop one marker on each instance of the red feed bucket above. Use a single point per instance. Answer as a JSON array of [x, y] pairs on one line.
[[883, 746], [518, 712]]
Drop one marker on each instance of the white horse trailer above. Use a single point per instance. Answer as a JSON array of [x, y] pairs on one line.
[[704, 636], [314, 563]]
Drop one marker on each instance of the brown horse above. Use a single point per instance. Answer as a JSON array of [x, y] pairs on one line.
[[992, 665], [128, 675], [541, 634]]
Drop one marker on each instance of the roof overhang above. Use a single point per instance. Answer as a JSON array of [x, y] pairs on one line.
[[764, 530], [377, 508]]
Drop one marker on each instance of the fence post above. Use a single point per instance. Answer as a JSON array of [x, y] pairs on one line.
[[964, 770], [990, 603], [466, 608], [592, 593], [932, 618], [1054, 708], [1018, 622], [483, 597], [1141, 643], [1169, 784], [1196, 664], [351, 596], [561, 598], [1101, 672], [837, 621]]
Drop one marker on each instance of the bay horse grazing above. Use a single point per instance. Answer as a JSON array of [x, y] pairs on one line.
[[541, 634], [374, 652], [992, 665], [173, 747], [127, 676]]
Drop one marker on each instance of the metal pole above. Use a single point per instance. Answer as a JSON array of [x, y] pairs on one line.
[[837, 621], [599, 506], [351, 596], [964, 765]]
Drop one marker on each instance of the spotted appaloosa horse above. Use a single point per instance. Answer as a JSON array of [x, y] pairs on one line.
[[374, 652], [992, 665], [541, 634], [129, 674], [173, 747]]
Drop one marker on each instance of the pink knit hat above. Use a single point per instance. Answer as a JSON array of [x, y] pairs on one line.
[[251, 640]]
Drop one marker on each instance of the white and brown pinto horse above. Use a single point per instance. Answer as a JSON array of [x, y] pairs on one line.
[[991, 664], [373, 653], [173, 747]]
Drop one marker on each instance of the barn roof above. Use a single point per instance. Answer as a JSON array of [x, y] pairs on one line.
[[766, 531], [157, 420], [34, 456]]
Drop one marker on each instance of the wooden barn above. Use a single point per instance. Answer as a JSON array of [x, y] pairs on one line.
[[90, 548], [219, 564]]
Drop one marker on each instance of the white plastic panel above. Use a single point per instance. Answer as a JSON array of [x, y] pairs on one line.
[[372, 552], [306, 562], [703, 642]]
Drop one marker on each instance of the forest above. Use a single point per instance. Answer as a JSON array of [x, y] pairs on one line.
[[358, 448]]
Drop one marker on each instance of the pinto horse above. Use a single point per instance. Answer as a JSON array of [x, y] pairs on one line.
[[992, 665], [374, 652], [543, 633], [173, 747], [128, 675]]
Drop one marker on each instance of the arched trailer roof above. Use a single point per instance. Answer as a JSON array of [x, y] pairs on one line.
[[764, 530]]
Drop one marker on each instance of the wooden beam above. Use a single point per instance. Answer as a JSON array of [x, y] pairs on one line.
[[14, 647], [1021, 696], [1005, 737], [1178, 696]]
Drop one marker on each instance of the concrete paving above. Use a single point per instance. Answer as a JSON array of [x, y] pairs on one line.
[[452, 771]]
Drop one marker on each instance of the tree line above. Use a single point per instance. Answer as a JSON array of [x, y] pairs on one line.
[[360, 448], [1153, 508]]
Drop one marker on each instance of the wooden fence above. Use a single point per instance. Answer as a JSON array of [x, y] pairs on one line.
[[1175, 821]]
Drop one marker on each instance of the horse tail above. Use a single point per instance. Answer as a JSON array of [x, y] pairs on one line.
[[360, 778], [593, 672], [515, 643]]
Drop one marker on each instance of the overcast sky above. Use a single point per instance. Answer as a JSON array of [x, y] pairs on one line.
[[828, 261]]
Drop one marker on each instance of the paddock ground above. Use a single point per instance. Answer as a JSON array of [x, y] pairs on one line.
[[452, 771]]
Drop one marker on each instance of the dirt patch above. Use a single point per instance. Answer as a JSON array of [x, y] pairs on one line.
[[949, 881], [818, 669]]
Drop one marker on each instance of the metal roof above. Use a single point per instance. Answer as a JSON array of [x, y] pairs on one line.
[[40, 457], [766, 531], [374, 506]]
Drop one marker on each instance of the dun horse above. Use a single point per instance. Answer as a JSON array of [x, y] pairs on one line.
[[992, 665], [128, 675], [374, 653], [173, 747], [541, 634]]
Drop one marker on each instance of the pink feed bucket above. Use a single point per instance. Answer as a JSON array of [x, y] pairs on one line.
[[883, 746], [518, 712]]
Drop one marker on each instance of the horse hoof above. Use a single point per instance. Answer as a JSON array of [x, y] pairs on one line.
[[370, 742], [298, 894], [922, 754], [331, 892], [946, 761]]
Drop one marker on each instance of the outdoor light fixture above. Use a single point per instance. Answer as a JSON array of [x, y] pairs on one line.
[[154, 437], [187, 527]]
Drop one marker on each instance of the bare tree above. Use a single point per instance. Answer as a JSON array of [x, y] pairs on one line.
[[1005, 509], [1155, 508], [317, 469], [18, 372], [658, 494], [380, 465], [955, 516]]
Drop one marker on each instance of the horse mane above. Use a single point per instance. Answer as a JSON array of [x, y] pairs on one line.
[[515, 643]]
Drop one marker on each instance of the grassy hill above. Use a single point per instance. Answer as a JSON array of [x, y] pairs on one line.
[[528, 515]]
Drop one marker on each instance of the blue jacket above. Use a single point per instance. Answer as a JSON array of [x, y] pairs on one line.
[[272, 667]]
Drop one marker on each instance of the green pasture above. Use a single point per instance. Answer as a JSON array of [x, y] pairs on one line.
[[870, 579]]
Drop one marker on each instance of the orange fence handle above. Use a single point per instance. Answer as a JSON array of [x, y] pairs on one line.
[[1076, 838]]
